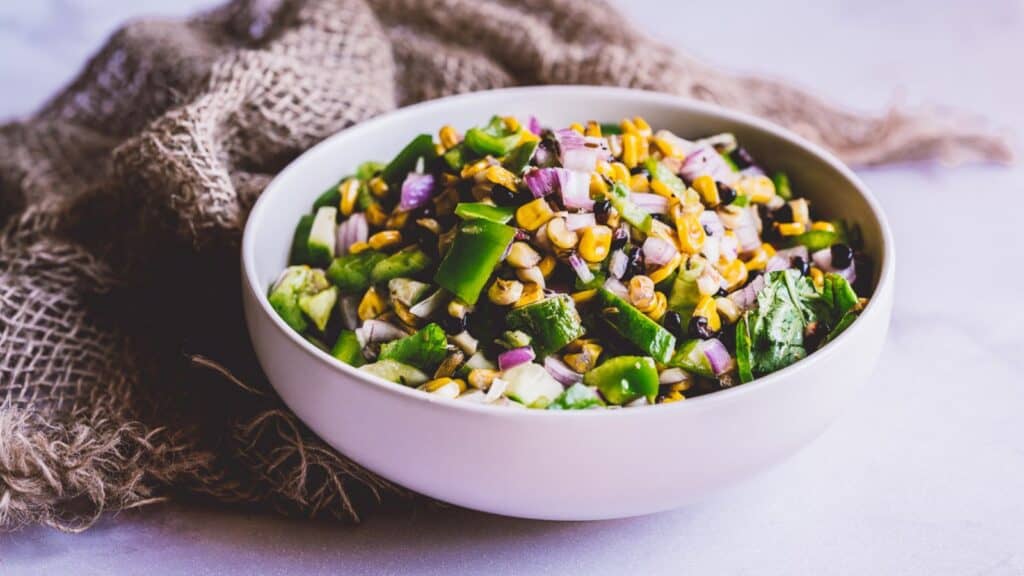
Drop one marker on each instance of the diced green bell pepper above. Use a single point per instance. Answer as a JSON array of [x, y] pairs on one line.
[[347, 349], [577, 397], [729, 161], [351, 272], [625, 378], [284, 296], [493, 139], [405, 263], [610, 128], [781, 181], [684, 295], [816, 239], [421, 146], [484, 211], [318, 307], [425, 349], [368, 170], [300, 252], [476, 250], [519, 158], [638, 217], [330, 197], [636, 327], [662, 174], [691, 358], [455, 157], [552, 322]]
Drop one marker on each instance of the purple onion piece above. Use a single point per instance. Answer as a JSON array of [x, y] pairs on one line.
[[543, 181], [717, 355], [575, 187], [561, 372], [515, 357], [706, 160], [616, 287], [580, 268], [578, 221], [652, 203], [534, 125], [416, 191], [618, 264]]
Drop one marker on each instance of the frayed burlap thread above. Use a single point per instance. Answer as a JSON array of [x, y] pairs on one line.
[[125, 373]]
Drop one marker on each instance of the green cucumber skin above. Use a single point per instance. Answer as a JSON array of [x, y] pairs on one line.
[[633, 325]]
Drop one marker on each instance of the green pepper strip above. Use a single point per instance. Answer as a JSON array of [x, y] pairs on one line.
[[408, 262], [351, 272], [421, 146], [781, 181], [347, 349], [476, 250], [518, 159], [624, 379], [630, 212], [635, 326], [492, 139], [484, 211]]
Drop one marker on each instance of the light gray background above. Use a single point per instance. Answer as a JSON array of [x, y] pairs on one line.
[[923, 475]]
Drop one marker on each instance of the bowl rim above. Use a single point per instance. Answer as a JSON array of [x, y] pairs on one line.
[[734, 393]]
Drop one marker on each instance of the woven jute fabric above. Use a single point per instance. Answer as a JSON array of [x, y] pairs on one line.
[[125, 372]]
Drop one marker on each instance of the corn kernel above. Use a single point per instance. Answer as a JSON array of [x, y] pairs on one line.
[[481, 378], [639, 183], [576, 127], [522, 255], [511, 123], [376, 216], [504, 292], [593, 129], [470, 170], [791, 228], [735, 275], [547, 265], [673, 396], [349, 191], [641, 126], [385, 239], [818, 277], [604, 168], [397, 220], [801, 211], [662, 189], [598, 187], [758, 189], [358, 247], [378, 187], [631, 149], [585, 359], [534, 214], [667, 148], [560, 235], [691, 233], [627, 126], [595, 243], [641, 291], [371, 305], [531, 293], [527, 136], [708, 190], [665, 271], [657, 308], [500, 176], [531, 275], [708, 308], [727, 309], [584, 296], [457, 308], [759, 259], [620, 173], [448, 136], [823, 227]]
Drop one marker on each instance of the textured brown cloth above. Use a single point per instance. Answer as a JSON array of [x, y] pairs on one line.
[[125, 371]]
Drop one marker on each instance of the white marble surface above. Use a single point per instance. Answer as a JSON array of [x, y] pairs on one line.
[[923, 475]]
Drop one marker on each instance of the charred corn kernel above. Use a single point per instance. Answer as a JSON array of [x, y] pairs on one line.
[[708, 308], [735, 275], [430, 224], [433, 385], [372, 305], [547, 265], [657, 308], [708, 190], [613, 219], [823, 227], [598, 187], [446, 201], [527, 136], [595, 242], [531, 293], [665, 271], [641, 126], [470, 170], [531, 275], [641, 291], [791, 228], [349, 191], [585, 359], [639, 183], [447, 387], [691, 202], [358, 247], [593, 129], [628, 127], [457, 308], [534, 214], [385, 239], [522, 255], [500, 176], [620, 172], [758, 189], [661, 230], [376, 216], [504, 292], [438, 149], [631, 149], [584, 296], [576, 127], [662, 189], [448, 136], [667, 148], [397, 220], [481, 378], [560, 235], [402, 311], [680, 386], [801, 211], [727, 309], [818, 277], [691, 233], [378, 187], [759, 259], [511, 123], [672, 396]]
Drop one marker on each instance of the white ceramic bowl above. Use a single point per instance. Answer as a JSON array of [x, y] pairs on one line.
[[561, 465]]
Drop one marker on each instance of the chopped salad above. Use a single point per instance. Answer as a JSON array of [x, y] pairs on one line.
[[596, 265]]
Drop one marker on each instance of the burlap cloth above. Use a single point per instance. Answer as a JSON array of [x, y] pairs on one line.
[[125, 372]]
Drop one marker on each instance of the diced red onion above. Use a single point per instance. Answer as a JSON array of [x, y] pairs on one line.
[[582, 220], [580, 268], [652, 203], [712, 223], [578, 152], [616, 287], [751, 171], [575, 187], [783, 259], [561, 372], [709, 282], [717, 355], [823, 259], [746, 298], [712, 248], [728, 247], [416, 191], [672, 376], [515, 357], [706, 160], [748, 238], [353, 229], [658, 251], [618, 263], [543, 181], [426, 307], [534, 125], [378, 331]]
